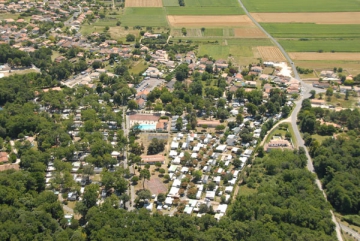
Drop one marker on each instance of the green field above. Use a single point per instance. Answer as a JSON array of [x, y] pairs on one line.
[[309, 30], [192, 10], [279, 6], [217, 3], [213, 32], [171, 3], [337, 45], [144, 17]]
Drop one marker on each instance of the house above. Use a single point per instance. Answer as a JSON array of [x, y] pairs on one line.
[[152, 159], [162, 125], [264, 77], [278, 144], [72, 196], [343, 89], [251, 84], [9, 166], [321, 85], [317, 102], [256, 69], [238, 77], [141, 103], [328, 74]]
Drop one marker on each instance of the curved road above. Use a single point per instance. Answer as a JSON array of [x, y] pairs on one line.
[[293, 117]]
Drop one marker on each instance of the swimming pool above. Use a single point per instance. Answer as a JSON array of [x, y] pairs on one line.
[[147, 127]]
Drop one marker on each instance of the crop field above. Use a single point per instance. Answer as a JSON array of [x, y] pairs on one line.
[[324, 56], [319, 18], [271, 53], [212, 21], [282, 6], [171, 3], [249, 32], [144, 17], [143, 3], [308, 30], [216, 3], [192, 10], [345, 45]]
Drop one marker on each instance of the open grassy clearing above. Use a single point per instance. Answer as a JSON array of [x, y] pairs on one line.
[[217, 3], [319, 138], [119, 33], [220, 10], [279, 6], [144, 17], [171, 3], [244, 190], [138, 67], [337, 45], [308, 30]]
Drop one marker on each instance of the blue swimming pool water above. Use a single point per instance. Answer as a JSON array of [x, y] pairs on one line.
[[147, 127]]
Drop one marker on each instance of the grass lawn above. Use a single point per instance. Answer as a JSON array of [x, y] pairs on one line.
[[244, 190], [14, 16], [206, 10], [171, 3], [319, 138], [282, 132], [278, 6], [337, 45], [213, 32], [217, 3], [341, 102], [144, 17], [138, 67], [309, 30], [88, 29]]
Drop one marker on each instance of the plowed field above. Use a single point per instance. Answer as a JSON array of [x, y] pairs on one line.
[[269, 53]]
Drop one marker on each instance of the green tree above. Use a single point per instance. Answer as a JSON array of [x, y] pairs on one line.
[[145, 174]]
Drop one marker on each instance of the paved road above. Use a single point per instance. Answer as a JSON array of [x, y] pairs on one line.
[[293, 117]]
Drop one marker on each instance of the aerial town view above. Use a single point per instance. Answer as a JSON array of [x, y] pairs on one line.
[[190, 120]]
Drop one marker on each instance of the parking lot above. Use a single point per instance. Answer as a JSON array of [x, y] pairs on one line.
[[149, 84]]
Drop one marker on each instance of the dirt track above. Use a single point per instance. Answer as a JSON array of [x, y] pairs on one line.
[[324, 56], [143, 3], [209, 21], [270, 53], [319, 18]]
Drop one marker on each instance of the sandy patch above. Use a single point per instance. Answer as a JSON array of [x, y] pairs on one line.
[[270, 53], [319, 18], [143, 3], [251, 32], [211, 21], [324, 56], [155, 185]]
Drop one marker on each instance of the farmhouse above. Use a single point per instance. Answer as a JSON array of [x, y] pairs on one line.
[[276, 144], [321, 85]]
